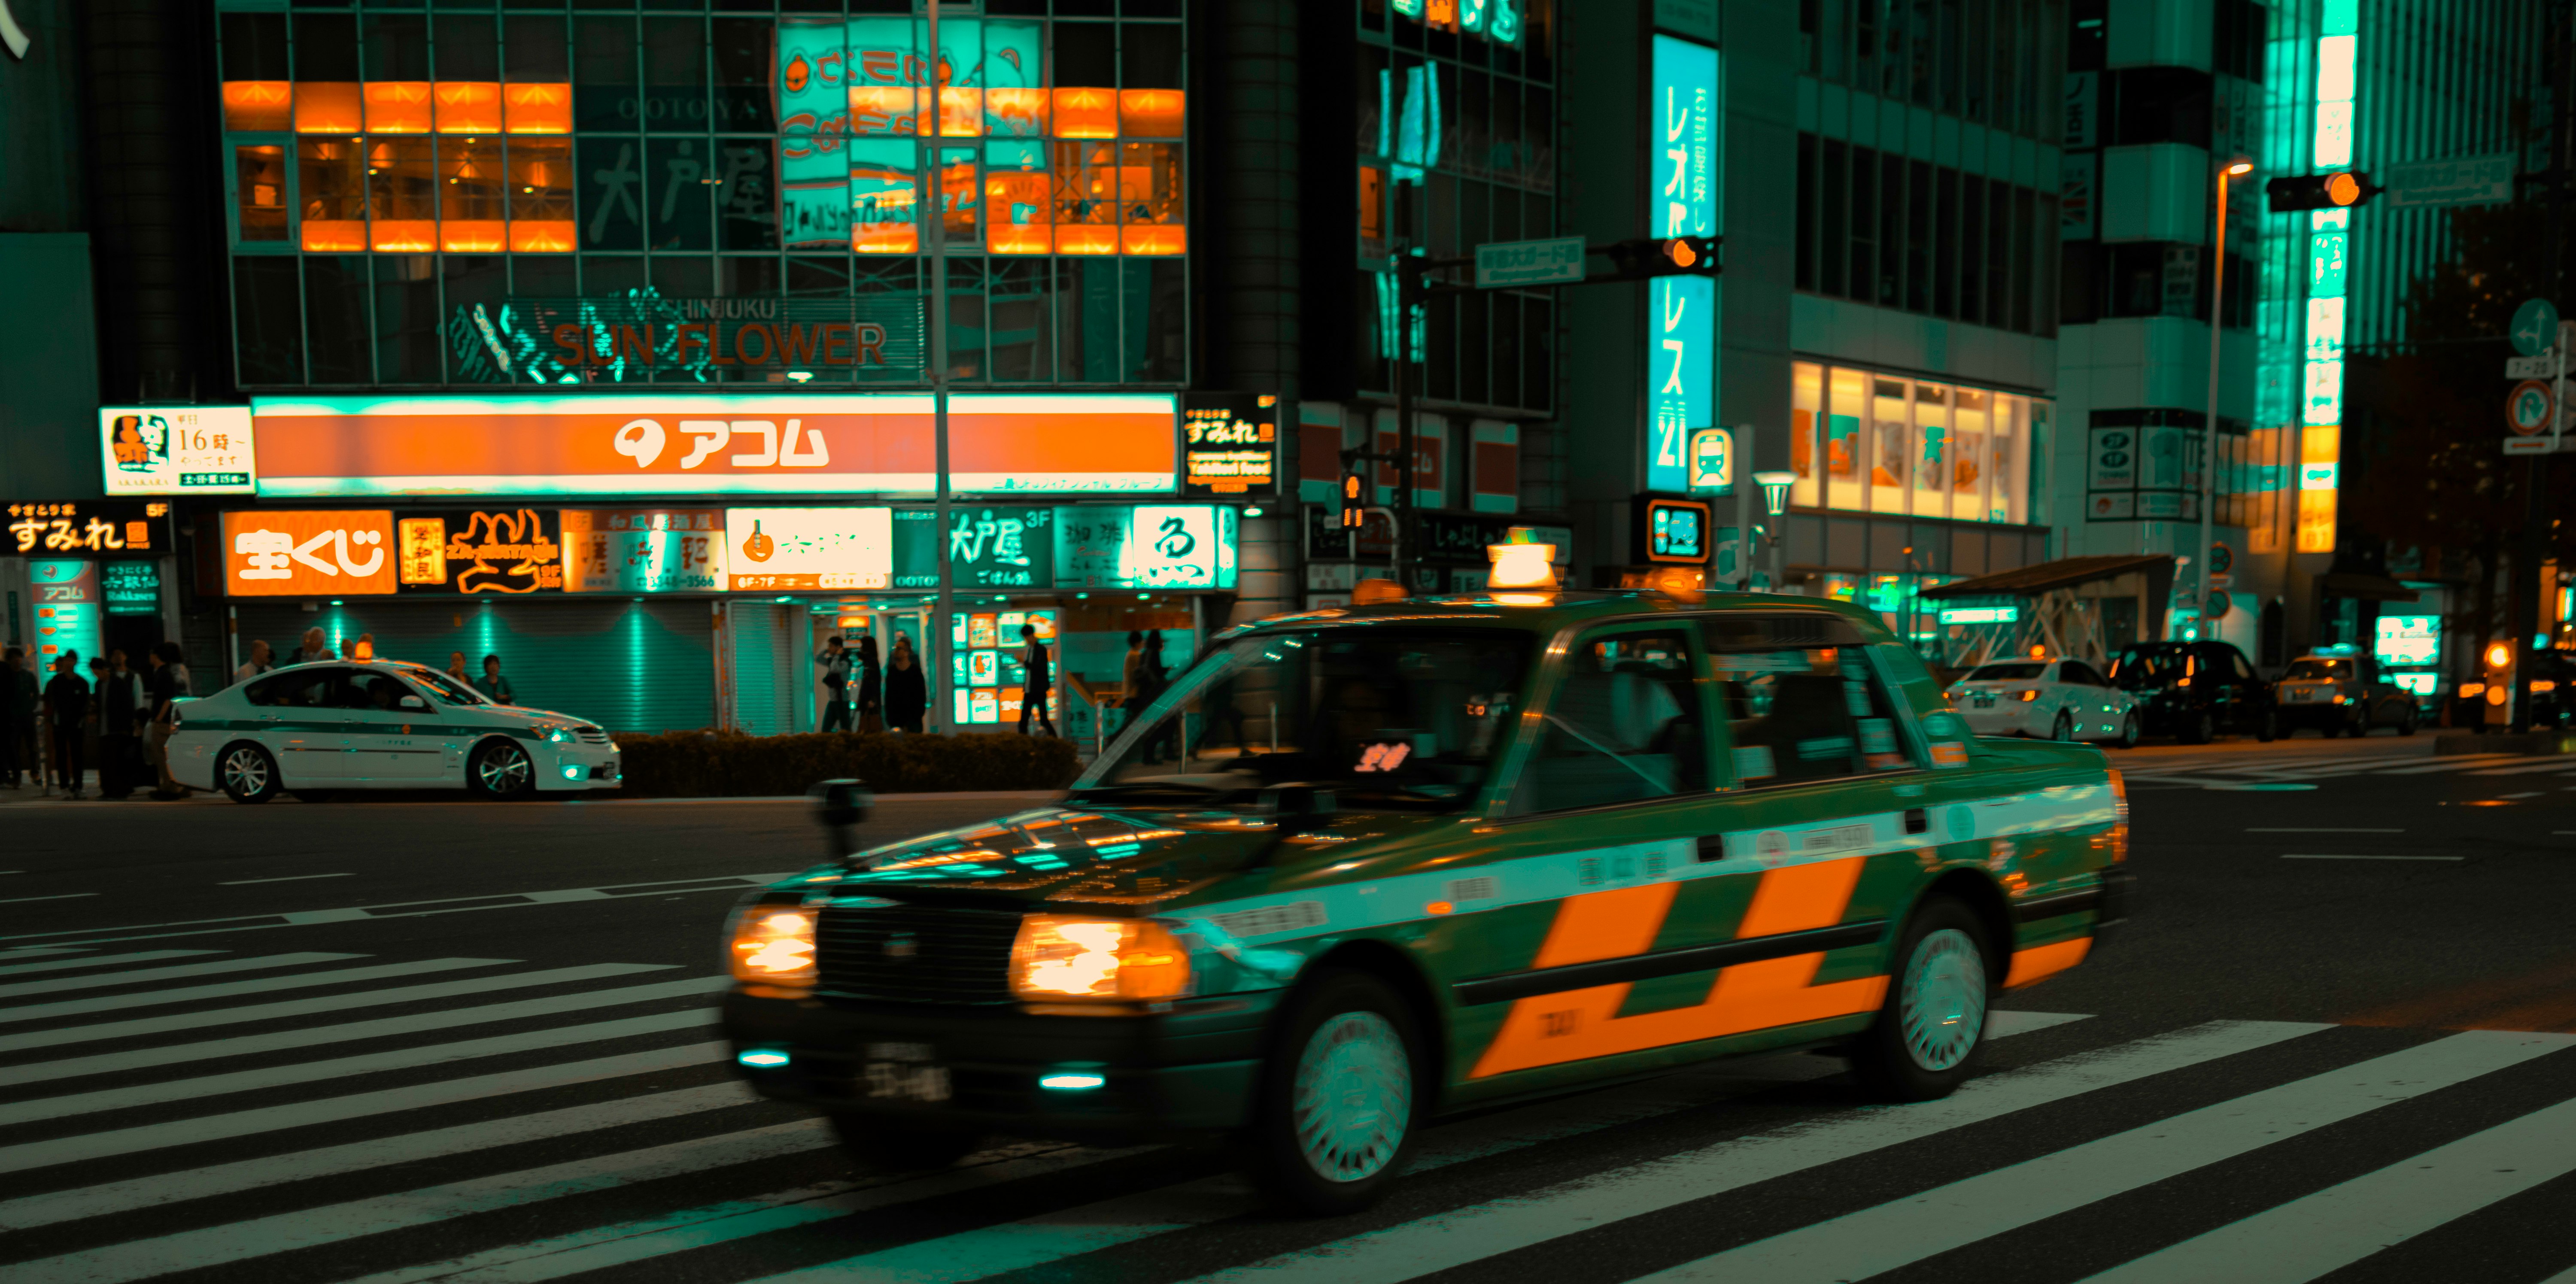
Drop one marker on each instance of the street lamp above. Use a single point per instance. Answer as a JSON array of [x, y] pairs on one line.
[[2207, 553], [1775, 501]]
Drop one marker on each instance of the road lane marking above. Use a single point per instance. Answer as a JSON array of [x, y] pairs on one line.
[[2342, 1224], [67, 896], [413, 1023], [244, 1123], [291, 878], [100, 960], [2528, 793], [60, 984], [330, 1161], [2528, 770], [1904, 1231], [172, 1022], [230, 989], [2316, 829], [2318, 856], [217, 1085]]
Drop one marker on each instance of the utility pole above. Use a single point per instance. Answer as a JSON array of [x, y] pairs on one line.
[[943, 702], [2531, 594]]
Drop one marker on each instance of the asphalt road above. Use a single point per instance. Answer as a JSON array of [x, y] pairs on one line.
[[438, 1040]]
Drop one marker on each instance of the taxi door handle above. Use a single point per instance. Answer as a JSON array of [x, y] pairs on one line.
[[1712, 847], [1917, 820]]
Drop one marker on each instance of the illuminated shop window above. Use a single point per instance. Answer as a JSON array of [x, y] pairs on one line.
[[259, 192], [1861, 441]]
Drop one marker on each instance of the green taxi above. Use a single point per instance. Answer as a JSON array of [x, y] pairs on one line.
[[1364, 867]]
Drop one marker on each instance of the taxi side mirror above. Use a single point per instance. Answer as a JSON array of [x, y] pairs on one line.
[[841, 805], [414, 702]]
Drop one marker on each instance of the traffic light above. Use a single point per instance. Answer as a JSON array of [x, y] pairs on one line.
[[1354, 500], [2320, 191], [1664, 256]]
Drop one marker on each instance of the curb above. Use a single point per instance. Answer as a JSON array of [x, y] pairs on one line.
[[2531, 743]]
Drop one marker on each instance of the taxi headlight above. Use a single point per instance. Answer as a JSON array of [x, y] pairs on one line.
[[1059, 957], [560, 735], [773, 943]]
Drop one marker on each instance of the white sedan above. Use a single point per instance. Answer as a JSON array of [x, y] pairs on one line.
[[2060, 699], [313, 728]]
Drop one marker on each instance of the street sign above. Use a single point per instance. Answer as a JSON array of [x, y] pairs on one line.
[[2468, 180], [2535, 323], [2558, 445], [1712, 461], [2527, 407], [1550, 262], [2539, 367]]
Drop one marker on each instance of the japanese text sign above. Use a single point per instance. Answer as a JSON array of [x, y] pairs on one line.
[[177, 450], [87, 526], [284, 553], [677, 550], [808, 548]]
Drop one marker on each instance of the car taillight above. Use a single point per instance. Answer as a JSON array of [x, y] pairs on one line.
[[2119, 818]]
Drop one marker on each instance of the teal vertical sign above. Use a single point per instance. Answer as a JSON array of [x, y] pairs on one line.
[[1681, 329]]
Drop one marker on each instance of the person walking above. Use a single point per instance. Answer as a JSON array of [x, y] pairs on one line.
[[18, 701], [166, 686], [871, 687], [832, 685], [258, 663], [907, 688], [1037, 680], [66, 710], [313, 649], [123, 707], [494, 687]]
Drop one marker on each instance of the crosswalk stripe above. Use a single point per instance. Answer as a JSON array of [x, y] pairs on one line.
[[1908, 1230], [51, 1207], [308, 1228], [2463, 763], [103, 960], [2335, 1227], [234, 989], [416, 1023], [2533, 769], [61, 984], [600, 1247], [243, 1123], [217, 1085], [173, 1022], [1469, 1234]]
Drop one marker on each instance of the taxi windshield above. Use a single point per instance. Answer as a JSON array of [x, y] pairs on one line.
[[447, 689], [1383, 718], [2019, 671], [2319, 671]]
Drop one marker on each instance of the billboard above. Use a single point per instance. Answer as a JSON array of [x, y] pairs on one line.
[[786, 549], [67, 611], [1230, 444], [177, 450], [314, 553], [86, 526], [1682, 200], [643, 550], [752, 444]]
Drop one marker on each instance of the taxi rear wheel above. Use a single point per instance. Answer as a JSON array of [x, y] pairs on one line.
[[895, 1146], [1340, 1100], [1934, 1017], [2130, 733], [2065, 728], [247, 773]]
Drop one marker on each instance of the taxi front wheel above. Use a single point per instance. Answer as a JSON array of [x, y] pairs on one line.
[[1340, 1098], [1934, 1018]]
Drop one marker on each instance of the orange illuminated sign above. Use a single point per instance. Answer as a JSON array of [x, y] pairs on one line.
[[308, 554]]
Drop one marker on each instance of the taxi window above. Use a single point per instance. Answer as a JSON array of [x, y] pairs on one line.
[[447, 689], [2319, 671], [301, 689], [2080, 673], [1624, 726], [1798, 714], [382, 692]]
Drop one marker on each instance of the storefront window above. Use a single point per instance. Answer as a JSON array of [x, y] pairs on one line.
[[1846, 445], [1927, 449], [1890, 439], [1806, 400], [259, 192]]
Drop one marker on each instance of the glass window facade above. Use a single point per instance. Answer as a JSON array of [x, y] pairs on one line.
[[565, 191], [1861, 441]]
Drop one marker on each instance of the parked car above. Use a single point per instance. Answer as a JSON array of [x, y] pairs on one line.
[[2338, 690], [312, 728], [2196, 691], [2061, 698]]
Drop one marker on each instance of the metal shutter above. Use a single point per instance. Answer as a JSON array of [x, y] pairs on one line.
[[763, 692]]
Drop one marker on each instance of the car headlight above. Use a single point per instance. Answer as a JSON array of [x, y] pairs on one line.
[[1059, 957], [560, 735], [773, 943]]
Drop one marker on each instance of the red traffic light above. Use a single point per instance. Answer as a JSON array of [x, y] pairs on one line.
[[2340, 190]]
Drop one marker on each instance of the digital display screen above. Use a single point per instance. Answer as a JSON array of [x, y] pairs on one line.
[[1675, 530], [2407, 640]]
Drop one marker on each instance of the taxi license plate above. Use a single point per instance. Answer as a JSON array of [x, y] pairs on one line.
[[903, 1072], [1985, 701]]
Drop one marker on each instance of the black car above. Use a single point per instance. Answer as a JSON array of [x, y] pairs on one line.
[[2196, 691]]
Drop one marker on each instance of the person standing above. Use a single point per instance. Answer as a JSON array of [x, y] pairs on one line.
[[907, 690], [18, 701], [123, 706], [456, 669], [832, 685], [313, 649], [66, 711], [257, 664], [871, 687], [166, 687], [93, 727], [1151, 680], [494, 687], [1037, 680]]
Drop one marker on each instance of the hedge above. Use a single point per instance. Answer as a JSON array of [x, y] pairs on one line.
[[726, 764]]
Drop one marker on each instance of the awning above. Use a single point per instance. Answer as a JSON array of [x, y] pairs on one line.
[[2067, 572], [2368, 588]]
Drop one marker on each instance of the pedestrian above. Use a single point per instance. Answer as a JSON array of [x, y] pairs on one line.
[[493, 686], [66, 709], [257, 664], [123, 708], [832, 671], [314, 649], [166, 686], [907, 689], [1038, 680], [871, 687], [93, 726], [18, 701], [1151, 679], [456, 669]]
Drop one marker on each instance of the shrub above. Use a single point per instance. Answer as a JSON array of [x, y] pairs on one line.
[[729, 764]]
